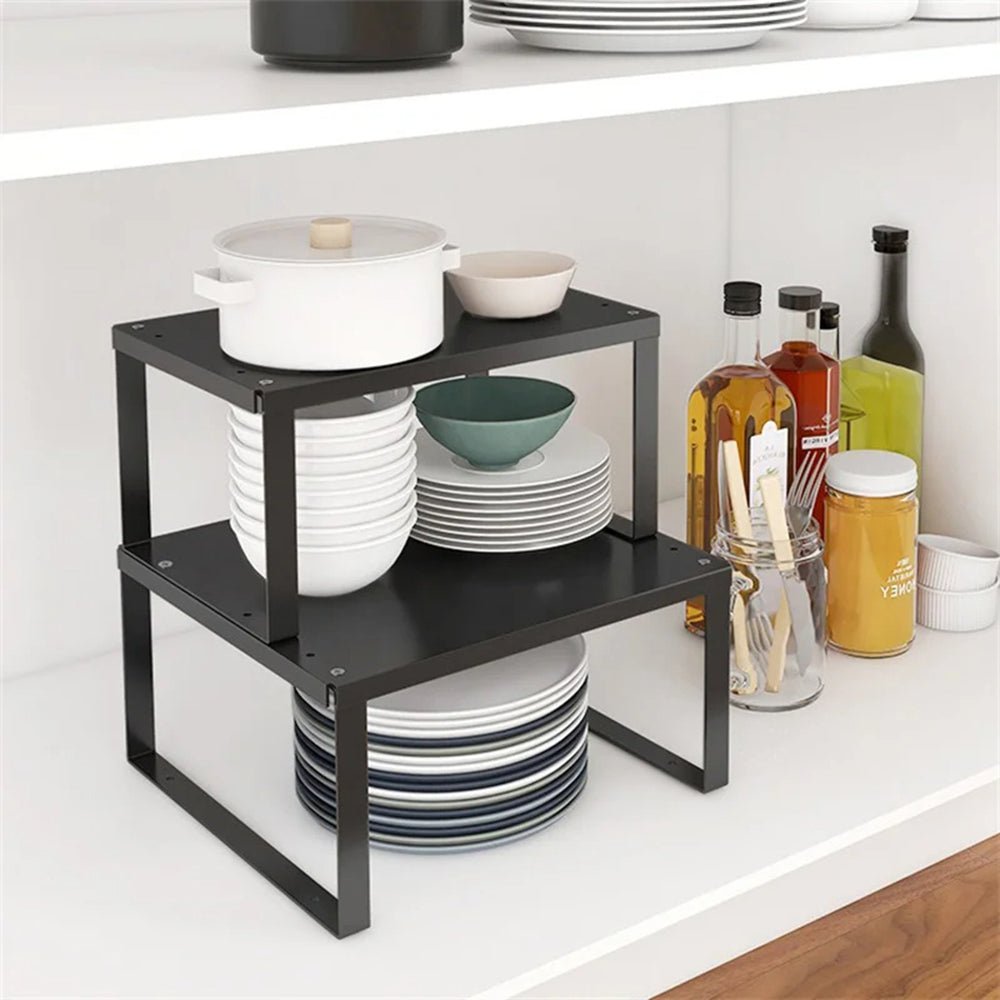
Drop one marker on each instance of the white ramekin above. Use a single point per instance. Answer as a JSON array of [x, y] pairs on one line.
[[955, 565], [957, 612]]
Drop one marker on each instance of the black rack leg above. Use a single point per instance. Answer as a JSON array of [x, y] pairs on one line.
[[280, 530], [351, 736], [716, 725], [645, 425], [714, 772]]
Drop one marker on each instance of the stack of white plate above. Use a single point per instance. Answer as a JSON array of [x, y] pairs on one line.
[[557, 495], [355, 474], [476, 759], [639, 25]]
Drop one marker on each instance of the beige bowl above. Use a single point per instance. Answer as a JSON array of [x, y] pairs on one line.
[[512, 284]]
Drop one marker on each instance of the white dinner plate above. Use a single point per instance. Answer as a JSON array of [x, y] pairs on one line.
[[467, 763], [511, 498], [495, 723], [573, 452], [618, 40], [958, 10], [448, 845], [475, 509], [534, 545], [494, 523], [565, 18], [616, 26], [446, 797], [667, 5], [498, 685], [517, 532]]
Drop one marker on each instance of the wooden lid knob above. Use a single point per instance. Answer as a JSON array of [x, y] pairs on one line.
[[330, 234]]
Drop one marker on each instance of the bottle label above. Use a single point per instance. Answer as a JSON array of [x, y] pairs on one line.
[[768, 453], [815, 442], [901, 581]]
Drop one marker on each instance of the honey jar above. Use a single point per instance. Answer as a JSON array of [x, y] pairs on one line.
[[871, 540]]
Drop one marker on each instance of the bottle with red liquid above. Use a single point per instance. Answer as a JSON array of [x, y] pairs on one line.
[[812, 377]]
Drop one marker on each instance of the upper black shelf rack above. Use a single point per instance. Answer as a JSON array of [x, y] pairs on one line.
[[187, 347]]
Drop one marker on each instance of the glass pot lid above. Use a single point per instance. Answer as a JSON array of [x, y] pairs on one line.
[[348, 239]]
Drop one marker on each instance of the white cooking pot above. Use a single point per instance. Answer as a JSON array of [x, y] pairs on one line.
[[329, 294]]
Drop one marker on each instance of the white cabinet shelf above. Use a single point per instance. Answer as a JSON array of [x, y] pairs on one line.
[[888, 746], [101, 93]]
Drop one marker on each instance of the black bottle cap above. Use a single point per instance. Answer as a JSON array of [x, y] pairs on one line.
[[829, 316], [799, 297], [742, 298], [890, 239]]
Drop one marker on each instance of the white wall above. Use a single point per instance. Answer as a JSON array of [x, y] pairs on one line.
[[810, 179], [642, 203]]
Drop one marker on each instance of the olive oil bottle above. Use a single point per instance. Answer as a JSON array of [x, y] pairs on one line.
[[886, 382], [743, 401]]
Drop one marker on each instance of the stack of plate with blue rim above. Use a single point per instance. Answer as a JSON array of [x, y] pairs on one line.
[[480, 758]]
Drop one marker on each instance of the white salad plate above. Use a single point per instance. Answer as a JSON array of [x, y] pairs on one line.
[[432, 519], [500, 685], [573, 452], [523, 545]]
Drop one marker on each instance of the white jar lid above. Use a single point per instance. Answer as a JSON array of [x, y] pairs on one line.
[[871, 473], [369, 238]]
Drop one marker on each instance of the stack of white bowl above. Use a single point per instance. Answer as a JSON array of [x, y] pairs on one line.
[[956, 584], [355, 480]]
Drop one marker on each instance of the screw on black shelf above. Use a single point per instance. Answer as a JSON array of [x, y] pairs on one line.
[[164, 564], [138, 326], [266, 381], [337, 672], [634, 312], [704, 562]]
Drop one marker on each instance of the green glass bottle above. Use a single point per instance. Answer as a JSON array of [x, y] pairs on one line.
[[885, 384]]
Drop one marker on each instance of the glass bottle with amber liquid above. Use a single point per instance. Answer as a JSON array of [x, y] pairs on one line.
[[743, 401], [813, 377], [888, 378]]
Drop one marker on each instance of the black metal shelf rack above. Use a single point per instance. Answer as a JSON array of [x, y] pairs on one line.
[[434, 613]]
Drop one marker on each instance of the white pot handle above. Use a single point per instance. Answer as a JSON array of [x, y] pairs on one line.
[[210, 284], [451, 257]]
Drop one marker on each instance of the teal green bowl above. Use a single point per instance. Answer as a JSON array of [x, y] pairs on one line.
[[493, 421]]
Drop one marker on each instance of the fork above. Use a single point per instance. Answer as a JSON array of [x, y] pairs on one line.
[[805, 488]]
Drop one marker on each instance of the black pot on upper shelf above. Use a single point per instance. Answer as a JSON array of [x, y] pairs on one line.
[[355, 34]]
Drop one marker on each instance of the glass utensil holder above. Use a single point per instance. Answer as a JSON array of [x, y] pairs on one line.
[[778, 656]]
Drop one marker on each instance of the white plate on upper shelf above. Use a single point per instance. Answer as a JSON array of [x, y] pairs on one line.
[[518, 508], [570, 455], [488, 11], [958, 10], [849, 14], [621, 40], [525, 544], [432, 518], [550, 493]]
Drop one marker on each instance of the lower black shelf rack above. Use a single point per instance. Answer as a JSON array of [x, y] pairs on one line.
[[436, 612]]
